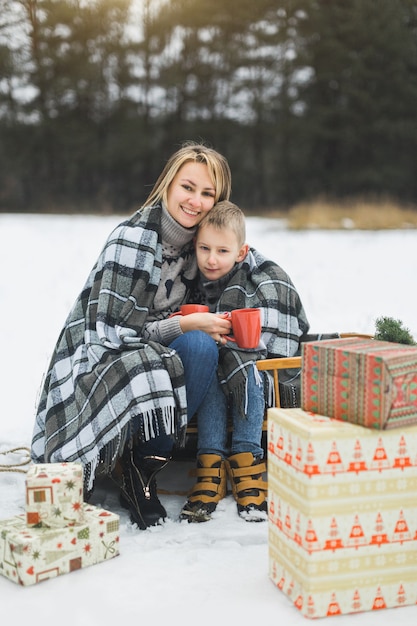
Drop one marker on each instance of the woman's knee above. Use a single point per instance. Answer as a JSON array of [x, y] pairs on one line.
[[198, 344], [204, 344]]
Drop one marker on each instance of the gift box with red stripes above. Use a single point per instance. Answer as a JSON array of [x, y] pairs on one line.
[[362, 381], [342, 513]]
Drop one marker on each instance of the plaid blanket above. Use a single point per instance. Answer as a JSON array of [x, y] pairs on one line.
[[261, 283], [102, 373]]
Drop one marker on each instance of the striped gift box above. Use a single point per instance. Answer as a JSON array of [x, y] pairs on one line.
[[362, 381], [342, 513]]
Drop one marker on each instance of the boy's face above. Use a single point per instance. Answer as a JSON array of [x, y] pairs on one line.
[[217, 251]]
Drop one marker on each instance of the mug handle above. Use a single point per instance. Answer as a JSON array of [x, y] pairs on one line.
[[229, 317]]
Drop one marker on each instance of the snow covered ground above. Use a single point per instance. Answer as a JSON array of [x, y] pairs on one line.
[[204, 573]]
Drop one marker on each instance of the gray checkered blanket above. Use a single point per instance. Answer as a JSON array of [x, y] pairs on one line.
[[102, 373]]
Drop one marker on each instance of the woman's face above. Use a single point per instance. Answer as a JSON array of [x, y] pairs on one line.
[[191, 194]]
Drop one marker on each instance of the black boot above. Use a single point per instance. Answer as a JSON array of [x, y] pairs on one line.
[[138, 492]]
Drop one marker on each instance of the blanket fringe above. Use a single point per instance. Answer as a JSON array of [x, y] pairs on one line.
[[154, 423]]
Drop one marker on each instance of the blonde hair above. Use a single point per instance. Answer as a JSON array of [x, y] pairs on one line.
[[223, 215], [217, 165]]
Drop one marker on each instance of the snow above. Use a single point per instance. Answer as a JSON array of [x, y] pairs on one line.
[[202, 573]]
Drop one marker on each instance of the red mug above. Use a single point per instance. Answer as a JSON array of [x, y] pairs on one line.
[[246, 325], [187, 309]]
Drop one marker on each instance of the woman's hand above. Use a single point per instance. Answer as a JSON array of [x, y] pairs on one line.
[[214, 324]]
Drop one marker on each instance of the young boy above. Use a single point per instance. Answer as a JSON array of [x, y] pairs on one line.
[[233, 276]]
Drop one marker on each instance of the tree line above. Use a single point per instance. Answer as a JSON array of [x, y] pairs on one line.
[[304, 97]]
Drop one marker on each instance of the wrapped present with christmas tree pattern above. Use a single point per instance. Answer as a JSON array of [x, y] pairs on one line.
[[29, 555], [342, 503]]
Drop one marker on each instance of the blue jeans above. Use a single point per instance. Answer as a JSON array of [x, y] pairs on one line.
[[213, 418], [199, 355]]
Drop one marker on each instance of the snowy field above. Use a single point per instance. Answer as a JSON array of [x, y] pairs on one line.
[[203, 574]]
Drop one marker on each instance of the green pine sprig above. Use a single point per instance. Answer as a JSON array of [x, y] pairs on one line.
[[389, 329]]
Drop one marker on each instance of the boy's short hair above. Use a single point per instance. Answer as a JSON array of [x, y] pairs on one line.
[[225, 214]]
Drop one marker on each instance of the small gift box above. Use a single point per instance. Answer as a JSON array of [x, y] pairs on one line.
[[54, 495]]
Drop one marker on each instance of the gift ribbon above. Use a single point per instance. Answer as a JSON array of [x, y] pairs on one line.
[[109, 548]]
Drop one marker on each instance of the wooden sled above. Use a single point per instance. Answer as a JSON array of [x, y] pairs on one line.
[[285, 373]]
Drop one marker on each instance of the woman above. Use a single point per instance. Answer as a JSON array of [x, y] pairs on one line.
[[125, 376]]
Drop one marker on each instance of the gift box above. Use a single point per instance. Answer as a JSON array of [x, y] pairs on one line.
[[54, 495], [362, 381], [29, 555], [342, 513]]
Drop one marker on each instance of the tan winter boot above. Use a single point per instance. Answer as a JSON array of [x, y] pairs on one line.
[[209, 489], [249, 488]]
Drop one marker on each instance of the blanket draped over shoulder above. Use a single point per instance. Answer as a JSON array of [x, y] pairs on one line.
[[102, 373], [260, 283]]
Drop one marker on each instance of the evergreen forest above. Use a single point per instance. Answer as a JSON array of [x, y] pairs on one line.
[[306, 98]]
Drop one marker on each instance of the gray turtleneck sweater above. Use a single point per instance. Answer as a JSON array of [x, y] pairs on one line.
[[179, 269]]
